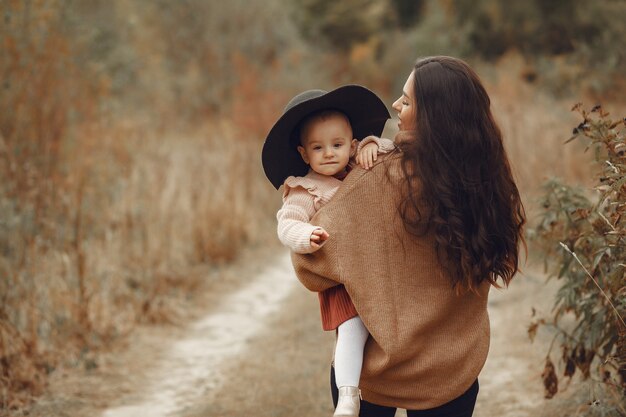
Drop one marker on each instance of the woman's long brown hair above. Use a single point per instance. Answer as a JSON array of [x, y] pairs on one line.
[[458, 178]]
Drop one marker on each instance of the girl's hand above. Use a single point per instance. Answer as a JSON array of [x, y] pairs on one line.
[[367, 155], [318, 237]]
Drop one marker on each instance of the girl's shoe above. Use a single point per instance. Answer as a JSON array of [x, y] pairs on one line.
[[349, 402]]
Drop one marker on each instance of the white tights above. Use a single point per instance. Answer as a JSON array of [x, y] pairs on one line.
[[351, 338]]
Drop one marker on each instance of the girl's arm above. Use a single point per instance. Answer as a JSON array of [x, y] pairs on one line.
[[369, 149], [294, 229], [384, 145], [320, 270]]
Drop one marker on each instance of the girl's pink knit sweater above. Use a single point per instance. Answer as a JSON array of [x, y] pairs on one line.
[[304, 196]]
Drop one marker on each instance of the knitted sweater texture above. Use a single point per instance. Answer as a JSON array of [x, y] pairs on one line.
[[428, 343], [304, 196]]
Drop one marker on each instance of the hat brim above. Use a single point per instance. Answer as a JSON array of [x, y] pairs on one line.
[[365, 110]]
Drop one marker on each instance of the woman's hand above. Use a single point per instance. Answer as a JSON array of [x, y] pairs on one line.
[[367, 155], [318, 237]]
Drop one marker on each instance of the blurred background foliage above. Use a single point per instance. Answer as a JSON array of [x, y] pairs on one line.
[[585, 35], [196, 52], [581, 38], [130, 135]]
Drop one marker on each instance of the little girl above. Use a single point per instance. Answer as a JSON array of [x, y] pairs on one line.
[[325, 142]]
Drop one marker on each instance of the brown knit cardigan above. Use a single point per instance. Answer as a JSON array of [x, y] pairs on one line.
[[428, 343]]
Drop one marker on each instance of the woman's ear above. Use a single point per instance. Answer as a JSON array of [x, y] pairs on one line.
[[303, 154]]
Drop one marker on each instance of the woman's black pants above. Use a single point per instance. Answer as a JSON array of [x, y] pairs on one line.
[[462, 406]]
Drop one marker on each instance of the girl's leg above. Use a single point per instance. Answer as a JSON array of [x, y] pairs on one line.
[[367, 409], [351, 338]]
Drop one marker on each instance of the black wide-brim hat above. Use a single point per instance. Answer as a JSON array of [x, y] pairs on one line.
[[365, 110]]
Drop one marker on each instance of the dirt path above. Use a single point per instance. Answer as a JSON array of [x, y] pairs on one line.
[[510, 383], [260, 351], [195, 365]]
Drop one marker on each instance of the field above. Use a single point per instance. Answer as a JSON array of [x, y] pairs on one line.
[[132, 198]]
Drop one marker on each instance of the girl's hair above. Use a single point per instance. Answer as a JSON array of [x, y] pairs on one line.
[[324, 114], [459, 183]]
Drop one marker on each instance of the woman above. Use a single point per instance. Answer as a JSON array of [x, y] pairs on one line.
[[418, 240]]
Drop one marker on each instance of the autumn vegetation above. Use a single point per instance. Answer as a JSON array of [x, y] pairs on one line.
[[582, 235], [130, 135]]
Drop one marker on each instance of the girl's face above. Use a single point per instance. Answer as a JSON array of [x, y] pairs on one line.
[[327, 145], [406, 106]]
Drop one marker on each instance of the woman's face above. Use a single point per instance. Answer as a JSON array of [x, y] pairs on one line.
[[406, 107]]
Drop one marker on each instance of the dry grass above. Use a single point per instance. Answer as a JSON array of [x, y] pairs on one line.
[[535, 126], [113, 190], [106, 209], [122, 372], [139, 222]]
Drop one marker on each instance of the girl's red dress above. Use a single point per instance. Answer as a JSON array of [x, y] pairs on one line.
[[336, 307]]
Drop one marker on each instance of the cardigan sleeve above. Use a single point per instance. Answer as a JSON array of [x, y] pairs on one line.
[[294, 229], [384, 145]]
